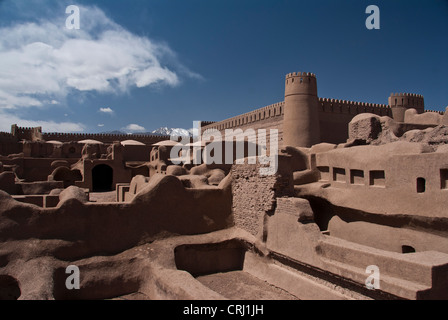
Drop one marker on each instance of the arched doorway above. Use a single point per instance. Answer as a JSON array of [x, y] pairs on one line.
[[102, 178]]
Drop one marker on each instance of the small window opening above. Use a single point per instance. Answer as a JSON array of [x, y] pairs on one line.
[[421, 185], [407, 249]]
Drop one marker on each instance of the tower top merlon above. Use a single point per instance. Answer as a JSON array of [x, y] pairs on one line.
[[410, 95], [300, 83], [300, 74], [400, 102], [407, 100]]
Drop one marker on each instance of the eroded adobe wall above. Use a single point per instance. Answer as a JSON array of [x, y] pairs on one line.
[[390, 233], [164, 208], [255, 195], [37, 244]]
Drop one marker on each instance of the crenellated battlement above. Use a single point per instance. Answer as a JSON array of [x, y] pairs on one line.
[[353, 107], [406, 100], [300, 74], [412, 95], [400, 102], [300, 83], [264, 113], [103, 137], [354, 103], [206, 123], [435, 111], [27, 129], [26, 133], [327, 105]]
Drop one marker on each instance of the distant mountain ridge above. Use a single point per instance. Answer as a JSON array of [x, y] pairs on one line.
[[179, 132], [162, 131]]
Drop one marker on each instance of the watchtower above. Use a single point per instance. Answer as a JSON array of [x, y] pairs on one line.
[[301, 118], [400, 102], [29, 134]]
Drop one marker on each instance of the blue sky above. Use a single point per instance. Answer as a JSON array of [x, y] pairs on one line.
[[138, 65]]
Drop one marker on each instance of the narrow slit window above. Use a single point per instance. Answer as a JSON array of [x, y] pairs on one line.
[[377, 178], [444, 179], [421, 185]]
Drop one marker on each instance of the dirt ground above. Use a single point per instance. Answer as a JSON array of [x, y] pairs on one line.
[[240, 285]]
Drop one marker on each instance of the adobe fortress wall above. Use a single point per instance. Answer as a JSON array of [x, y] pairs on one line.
[[105, 138], [334, 116]]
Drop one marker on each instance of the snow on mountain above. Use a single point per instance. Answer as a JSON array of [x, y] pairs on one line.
[[179, 132], [163, 131]]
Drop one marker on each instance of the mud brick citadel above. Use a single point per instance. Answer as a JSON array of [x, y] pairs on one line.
[[359, 187]]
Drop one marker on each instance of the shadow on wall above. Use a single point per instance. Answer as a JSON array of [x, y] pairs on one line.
[[203, 259], [9, 288]]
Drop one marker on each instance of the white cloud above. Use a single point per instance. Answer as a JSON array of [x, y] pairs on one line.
[[43, 62], [6, 120], [106, 110], [100, 125], [133, 128]]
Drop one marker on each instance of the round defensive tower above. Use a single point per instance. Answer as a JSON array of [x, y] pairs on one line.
[[400, 102], [301, 118]]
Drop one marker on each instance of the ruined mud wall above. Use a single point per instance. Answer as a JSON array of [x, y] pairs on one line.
[[163, 208], [255, 196], [37, 244]]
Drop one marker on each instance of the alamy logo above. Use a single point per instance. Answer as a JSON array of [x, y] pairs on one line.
[[373, 21], [73, 20], [72, 281], [373, 280], [211, 147]]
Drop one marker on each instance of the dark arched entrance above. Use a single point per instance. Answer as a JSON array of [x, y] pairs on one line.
[[102, 178]]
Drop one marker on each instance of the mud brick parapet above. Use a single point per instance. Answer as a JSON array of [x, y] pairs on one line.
[[105, 138], [333, 115]]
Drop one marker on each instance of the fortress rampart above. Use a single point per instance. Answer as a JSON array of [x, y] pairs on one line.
[[9, 144], [26, 133], [35, 134], [435, 111], [400, 102], [309, 119], [105, 138], [6, 135], [333, 114]]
